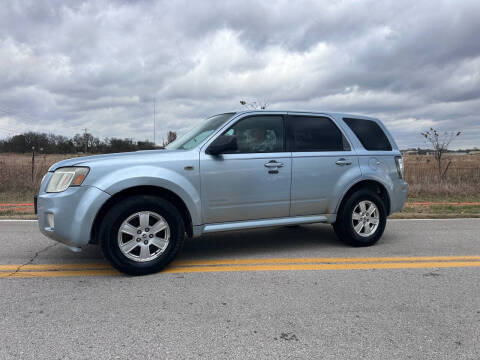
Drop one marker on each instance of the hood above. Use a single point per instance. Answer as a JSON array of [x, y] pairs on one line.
[[88, 160]]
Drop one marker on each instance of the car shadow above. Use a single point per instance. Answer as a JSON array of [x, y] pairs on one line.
[[260, 242]]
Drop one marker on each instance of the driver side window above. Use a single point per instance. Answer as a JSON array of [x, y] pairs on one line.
[[259, 134]]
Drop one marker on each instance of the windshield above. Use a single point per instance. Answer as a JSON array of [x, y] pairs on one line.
[[199, 132]]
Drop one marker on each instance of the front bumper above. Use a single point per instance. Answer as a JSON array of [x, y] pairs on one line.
[[68, 216]]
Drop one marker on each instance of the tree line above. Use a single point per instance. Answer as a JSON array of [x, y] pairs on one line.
[[80, 143]]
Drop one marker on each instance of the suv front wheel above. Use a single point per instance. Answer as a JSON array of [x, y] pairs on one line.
[[361, 219], [141, 234]]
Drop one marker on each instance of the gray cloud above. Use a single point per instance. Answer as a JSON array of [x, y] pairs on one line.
[[100, 64]]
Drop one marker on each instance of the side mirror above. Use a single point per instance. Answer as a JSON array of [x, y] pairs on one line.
[[222, 144]]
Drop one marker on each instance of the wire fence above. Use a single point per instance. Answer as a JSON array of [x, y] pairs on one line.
[[461, 179], [419, 173]]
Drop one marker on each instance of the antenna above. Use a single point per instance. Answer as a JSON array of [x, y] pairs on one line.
[[154, 130]]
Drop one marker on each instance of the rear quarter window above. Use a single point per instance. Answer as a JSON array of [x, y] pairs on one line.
[[369, 133]]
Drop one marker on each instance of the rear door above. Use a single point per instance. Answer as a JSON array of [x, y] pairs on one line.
[[252, 182], [323, 164]]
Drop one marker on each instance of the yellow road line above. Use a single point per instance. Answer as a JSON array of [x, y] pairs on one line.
[[271, 267], [41, 274], [79, 266], [364, 266], [320, 260], [265, 261]]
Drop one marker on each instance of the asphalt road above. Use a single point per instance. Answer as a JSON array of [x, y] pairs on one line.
[[287, 293]]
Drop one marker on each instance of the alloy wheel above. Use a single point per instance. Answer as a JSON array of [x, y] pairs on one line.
[[365, 218], [143, 236]]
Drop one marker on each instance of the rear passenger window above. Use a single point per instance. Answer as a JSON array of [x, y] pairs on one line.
[[309, 133], [369, 133]]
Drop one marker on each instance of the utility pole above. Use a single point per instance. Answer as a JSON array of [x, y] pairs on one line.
[[33, 161], [154, 122], [85, 141]]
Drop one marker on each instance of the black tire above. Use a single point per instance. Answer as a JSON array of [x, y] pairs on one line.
[[343, 226], [120, 212]]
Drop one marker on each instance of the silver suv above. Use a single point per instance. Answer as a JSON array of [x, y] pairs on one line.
[[232, 171]]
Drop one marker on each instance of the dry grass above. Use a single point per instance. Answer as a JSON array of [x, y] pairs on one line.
[[462, 180], [16, 183]]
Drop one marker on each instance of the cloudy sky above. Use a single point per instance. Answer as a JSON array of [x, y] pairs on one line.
[[65, 66]]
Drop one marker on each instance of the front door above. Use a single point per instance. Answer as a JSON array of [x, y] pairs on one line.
[[254, 181]]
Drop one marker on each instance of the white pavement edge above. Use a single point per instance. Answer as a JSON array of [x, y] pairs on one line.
[[31, 220]]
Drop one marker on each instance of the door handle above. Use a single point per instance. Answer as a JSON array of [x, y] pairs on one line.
[[273, 164], [342, 162]]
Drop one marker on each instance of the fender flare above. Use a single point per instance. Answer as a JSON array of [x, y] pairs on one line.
[[372, 180]]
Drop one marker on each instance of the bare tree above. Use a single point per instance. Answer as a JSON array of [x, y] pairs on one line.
[[440, 144], [255, 105], [86, 142], [171, 137]]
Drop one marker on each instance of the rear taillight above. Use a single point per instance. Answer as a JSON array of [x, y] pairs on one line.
[[399, 162]]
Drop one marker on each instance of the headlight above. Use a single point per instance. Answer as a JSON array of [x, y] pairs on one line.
[[399, 162], [65, 177]]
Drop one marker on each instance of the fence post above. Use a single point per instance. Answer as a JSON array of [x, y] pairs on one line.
[[33, 161]]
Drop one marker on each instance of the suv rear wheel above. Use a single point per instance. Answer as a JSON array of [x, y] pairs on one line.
[[361, 219], [141, 234]]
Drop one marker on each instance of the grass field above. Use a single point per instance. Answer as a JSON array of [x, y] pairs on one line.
[[16, 181], [462, 183]]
